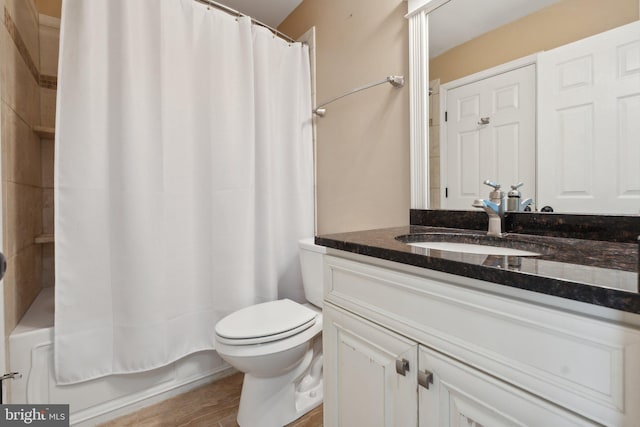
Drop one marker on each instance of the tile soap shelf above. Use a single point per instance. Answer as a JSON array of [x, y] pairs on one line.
[[45, 132], [44, 238]]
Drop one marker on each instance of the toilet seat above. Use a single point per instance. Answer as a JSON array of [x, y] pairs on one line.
[[264, 323], [258, 350]]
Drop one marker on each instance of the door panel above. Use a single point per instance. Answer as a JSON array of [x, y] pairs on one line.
[[468, 151], [628, 146]]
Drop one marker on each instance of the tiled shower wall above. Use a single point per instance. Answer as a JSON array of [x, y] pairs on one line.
[[21, 170], [26, 78]]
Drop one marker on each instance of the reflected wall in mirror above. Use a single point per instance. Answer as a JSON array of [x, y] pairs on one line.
[[506, 31]]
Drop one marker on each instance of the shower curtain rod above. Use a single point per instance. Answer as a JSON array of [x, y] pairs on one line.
[[240, 14], [395, 81]]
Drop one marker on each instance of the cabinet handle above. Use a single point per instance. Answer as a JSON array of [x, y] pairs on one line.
[[425, 378], [402, 366]]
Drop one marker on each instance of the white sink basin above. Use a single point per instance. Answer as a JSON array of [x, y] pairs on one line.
[[471, 248]]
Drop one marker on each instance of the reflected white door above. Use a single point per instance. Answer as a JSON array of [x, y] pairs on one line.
[[589, 124], [490, 134]]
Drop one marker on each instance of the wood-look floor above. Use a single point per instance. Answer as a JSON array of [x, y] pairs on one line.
[[212, 405]]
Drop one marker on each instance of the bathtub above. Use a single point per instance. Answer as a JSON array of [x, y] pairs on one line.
[[96, 401]]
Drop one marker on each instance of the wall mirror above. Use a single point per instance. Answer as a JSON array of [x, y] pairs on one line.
[[466, 37]]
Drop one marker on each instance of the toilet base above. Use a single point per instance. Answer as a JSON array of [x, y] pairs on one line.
[[275, 402]]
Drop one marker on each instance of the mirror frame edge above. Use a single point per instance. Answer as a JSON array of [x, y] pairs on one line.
[[419, 109], [417, 14]]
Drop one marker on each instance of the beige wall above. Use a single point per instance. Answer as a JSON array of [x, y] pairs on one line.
[[556, 25], [363, 175]]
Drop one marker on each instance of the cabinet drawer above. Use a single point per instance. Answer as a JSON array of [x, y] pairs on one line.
[[586, 365]]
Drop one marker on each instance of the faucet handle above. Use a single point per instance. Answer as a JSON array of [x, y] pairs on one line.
[[490, 183], [518, 185]]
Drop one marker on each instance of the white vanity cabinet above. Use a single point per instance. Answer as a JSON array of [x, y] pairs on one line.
[[489, 360], [371, 377]]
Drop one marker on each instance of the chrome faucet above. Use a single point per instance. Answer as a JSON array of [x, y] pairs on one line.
[[513, 199], [494, 207]]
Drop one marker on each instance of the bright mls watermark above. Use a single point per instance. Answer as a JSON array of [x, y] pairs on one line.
[[34, 415]]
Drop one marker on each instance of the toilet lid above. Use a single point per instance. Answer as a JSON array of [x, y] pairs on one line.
[[265, 322]]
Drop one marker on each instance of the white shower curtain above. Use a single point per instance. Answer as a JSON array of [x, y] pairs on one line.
[[184, 178]]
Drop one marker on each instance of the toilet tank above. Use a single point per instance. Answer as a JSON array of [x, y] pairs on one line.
[[311, 264]]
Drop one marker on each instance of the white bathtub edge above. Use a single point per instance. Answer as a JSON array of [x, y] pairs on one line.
[[31, 354]]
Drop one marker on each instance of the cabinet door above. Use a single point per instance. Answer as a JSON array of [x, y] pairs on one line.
[[460, 395], [362, 385]]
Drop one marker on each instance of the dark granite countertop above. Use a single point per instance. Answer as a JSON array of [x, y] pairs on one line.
[[592, 271]]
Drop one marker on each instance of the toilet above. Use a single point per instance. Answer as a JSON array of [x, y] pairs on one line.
[[278, 346]]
